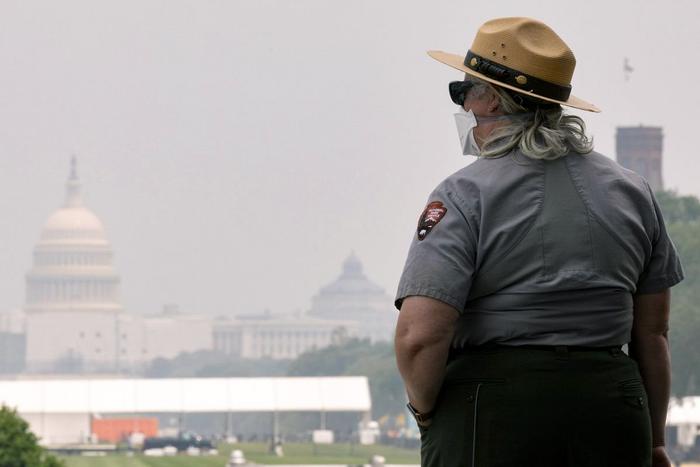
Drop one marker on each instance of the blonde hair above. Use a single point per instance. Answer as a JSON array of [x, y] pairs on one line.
[[542, 131]]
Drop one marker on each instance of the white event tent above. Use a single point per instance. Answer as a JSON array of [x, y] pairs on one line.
[[684, 413], [59, 411]]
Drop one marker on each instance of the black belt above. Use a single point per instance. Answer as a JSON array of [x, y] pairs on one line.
[[550, 348]]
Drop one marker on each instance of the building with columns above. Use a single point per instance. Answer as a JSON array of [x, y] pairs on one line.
[[350, 306], [74, 317], [276, 336], [72, 295]]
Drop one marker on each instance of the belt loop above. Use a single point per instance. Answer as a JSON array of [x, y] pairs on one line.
[[561, 349]]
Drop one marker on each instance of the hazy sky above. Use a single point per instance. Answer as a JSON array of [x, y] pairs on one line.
[[237, 151]]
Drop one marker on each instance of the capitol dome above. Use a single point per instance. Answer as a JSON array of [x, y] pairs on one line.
[[353, 297], [73, 267], [73, 225], [72, 219], [352, 280]]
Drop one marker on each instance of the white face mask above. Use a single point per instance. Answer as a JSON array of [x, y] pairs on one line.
[[466, 122]]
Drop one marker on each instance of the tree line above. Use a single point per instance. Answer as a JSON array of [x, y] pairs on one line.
[[682, 216]]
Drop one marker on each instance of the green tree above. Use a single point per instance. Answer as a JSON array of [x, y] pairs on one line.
[[684, 334], [677, 208], [18, 446], [356, 357], [682, 216], [211, 363]]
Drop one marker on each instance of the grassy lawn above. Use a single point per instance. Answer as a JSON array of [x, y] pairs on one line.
[[257, 452]]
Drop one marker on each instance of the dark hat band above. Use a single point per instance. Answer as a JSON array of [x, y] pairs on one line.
[[516, 78]]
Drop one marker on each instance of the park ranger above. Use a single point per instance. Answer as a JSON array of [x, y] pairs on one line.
[[528, 271]]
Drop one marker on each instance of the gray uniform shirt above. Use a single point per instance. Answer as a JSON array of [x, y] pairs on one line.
[[541, 252]]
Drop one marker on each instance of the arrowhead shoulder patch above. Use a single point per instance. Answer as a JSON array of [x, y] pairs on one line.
[[432, 214]]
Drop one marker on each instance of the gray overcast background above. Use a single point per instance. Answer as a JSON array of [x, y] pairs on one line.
[[237, 151]]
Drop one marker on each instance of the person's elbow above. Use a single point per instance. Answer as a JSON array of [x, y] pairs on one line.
[[412, 341], [646, 334], [424, 323]]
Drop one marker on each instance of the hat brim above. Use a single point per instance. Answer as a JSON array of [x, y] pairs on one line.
[[457, 61]]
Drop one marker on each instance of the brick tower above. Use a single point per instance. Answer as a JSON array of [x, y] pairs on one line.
[[639, 148]]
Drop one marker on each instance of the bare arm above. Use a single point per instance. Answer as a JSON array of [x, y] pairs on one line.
[[423, 335], [649, 347]]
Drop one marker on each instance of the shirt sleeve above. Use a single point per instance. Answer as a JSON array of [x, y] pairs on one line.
[[663, 269], [441, 258]]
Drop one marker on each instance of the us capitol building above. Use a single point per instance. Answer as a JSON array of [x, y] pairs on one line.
[[73, 320]]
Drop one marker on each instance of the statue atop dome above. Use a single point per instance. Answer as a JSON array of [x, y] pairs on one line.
[[73, 198]]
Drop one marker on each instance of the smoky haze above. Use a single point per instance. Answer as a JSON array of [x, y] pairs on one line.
[[237, 151]]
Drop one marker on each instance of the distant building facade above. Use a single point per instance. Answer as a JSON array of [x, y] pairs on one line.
[[277, 337], [172, 332], [12, 342], [640, 149], [350, 306]]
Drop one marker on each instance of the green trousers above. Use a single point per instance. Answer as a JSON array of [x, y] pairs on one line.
[[516, 407]]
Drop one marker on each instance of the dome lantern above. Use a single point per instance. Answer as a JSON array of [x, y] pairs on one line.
[[73, 198], [352, 267]]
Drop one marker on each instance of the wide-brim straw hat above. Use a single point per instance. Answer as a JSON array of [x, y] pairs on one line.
[[523, 55]]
